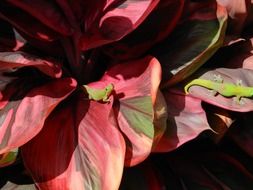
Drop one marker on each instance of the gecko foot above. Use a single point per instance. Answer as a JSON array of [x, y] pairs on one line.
[[212, 93], [218, 78], [239, 82], [239, 100]]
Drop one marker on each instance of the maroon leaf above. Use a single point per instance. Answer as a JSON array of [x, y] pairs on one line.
[[8, 39], [237, 55], [142, 176], [201, 165], [241, 133], [80, 147], [157, 26], [47, 12], [119, 19], [240, 15], [26, 23]]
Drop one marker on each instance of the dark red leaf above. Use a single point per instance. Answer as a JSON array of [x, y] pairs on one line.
[[118, 19], [157, 26]]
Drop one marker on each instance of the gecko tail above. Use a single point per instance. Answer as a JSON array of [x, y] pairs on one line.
[[199, 82], [187, 87]]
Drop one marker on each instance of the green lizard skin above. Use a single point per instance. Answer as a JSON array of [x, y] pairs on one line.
[[225, 89], [99, 94]]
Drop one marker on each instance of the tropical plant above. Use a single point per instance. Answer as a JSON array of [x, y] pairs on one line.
[[150, 134]]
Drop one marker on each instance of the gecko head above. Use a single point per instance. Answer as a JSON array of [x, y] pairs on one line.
[[109, 88]]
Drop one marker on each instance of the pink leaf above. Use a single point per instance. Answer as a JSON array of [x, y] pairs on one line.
[[80, 147], [22, 115], [136, 84], [232, 76], [186, 120], [9, 60]]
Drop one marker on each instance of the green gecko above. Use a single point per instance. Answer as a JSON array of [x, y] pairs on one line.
[[225, 89], [99, 94]]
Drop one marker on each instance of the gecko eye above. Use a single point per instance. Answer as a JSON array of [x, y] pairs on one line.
[[110, 87]]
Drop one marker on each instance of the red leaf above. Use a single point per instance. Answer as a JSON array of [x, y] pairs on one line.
[[47, 12], [79, 147], [26, 23]]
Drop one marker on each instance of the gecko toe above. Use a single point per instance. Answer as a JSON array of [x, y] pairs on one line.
[[218, 78]]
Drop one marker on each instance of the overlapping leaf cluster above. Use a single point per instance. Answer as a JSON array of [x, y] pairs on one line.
[[148, 49]]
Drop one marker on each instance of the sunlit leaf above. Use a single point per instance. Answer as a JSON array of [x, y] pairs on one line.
[[232, 76], [23, 112], [134, 105], [79, 147]]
